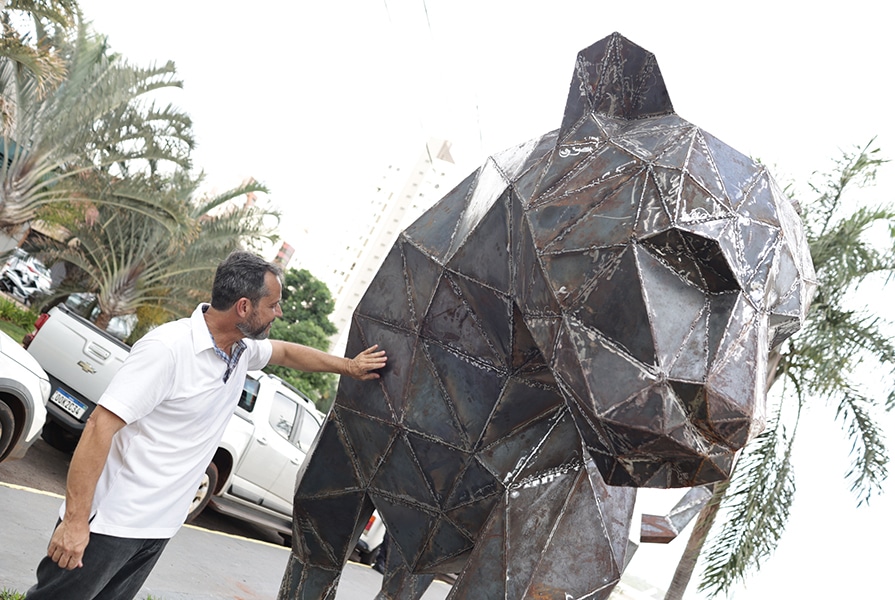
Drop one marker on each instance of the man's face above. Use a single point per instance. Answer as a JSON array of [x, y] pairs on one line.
[[257, 323]]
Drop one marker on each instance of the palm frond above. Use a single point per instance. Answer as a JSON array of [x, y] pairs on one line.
[[868, 450], [757, 505]]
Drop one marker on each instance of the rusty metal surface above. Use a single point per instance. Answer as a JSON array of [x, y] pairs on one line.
[[588, 313], [662, 529]]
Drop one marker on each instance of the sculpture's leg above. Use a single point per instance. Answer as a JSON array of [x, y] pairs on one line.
[[302, 581], [563, 536], [329, 513], [398, 583]]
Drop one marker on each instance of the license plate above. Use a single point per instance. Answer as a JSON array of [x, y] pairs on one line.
[[71, 405]]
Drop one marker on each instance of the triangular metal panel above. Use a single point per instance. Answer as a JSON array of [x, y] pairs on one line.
[[400, 476], [472, 387], [428, 410], [554, 451], [520, 404], [434, 230], [485, 573], [446, 551], [380, 300], [580, 542], [737, 170], [423, 273], [362, 434], [334, 520], [610, 223], [401, 346], [319, 478], [530, 515], [471, 517], [615, 307], [674, 307], [701, 168], [453, 321], [475, 484], [492, 311], [484, 256], [408, 526], [441, 464], [490, 185]]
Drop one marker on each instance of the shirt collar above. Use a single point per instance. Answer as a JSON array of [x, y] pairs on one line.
[[205, 342]]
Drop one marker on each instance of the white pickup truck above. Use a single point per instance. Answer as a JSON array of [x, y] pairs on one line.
[[252, 475]]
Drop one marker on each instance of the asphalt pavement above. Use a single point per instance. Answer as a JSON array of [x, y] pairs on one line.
[[198, 564]]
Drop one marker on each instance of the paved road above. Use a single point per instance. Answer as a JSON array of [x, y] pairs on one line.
[[198, 564]]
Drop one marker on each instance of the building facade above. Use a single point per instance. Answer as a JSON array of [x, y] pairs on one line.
[[403, 194]]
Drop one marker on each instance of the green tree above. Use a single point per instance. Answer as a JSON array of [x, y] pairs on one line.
[[816, 365], [134, 264], [97, 118], [307, 304]]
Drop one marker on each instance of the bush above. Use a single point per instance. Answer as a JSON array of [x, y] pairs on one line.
[[12, 312]]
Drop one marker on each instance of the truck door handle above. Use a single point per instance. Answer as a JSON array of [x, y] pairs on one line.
[[296, 461], [98, 351], [262, 441]]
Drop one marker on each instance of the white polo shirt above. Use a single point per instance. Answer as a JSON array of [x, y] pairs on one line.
[[171, 395]]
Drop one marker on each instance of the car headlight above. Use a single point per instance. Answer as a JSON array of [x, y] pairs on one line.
[[45, 389]]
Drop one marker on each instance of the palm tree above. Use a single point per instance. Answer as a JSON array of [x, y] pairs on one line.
[[34, 52], [816, 364], [96, 119], [131, 262]]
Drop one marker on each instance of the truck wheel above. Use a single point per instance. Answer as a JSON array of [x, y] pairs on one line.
[[204, 492], [7, 426], [58, 438], [368, 558]]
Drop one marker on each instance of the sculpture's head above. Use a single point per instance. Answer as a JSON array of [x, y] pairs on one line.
[[665, 267]]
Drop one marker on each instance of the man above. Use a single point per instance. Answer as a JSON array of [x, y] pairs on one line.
[[156, 428]]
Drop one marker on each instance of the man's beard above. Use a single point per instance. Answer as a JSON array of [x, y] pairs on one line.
[[253, 331]]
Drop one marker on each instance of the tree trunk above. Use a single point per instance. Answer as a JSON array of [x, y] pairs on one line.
[[103, 320], [701, 527], [707, 515]]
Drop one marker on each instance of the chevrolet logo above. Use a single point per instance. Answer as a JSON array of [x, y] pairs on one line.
[[87, 367]]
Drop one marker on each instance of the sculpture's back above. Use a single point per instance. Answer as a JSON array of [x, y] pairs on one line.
[[595, 305]]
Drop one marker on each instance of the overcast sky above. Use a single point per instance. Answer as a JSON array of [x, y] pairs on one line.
[[315, 98]]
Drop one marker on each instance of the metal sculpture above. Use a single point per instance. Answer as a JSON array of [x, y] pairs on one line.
[[587, 313]]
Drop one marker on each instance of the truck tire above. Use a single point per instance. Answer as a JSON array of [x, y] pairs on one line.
[[368, 558], [58, 438], [7, 426], [204, 492]]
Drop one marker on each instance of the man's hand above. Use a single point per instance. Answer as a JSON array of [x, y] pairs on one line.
[[68, 543], [73, 533], [362, 366]]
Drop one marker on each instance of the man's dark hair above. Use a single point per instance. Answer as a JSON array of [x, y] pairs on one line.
[[240, 275]]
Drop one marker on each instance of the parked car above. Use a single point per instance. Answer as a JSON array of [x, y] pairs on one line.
[[24, 390], [23, 276]]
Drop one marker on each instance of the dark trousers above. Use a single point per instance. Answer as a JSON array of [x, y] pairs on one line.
[[114, 569]]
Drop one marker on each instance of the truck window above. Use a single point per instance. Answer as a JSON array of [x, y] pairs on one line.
[[282, 414], [307, 430], [249, 394]]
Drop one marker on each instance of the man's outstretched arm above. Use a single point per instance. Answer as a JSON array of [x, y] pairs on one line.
[[311, 360]]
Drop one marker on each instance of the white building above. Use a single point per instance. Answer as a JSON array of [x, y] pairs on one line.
[[401, 197]]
